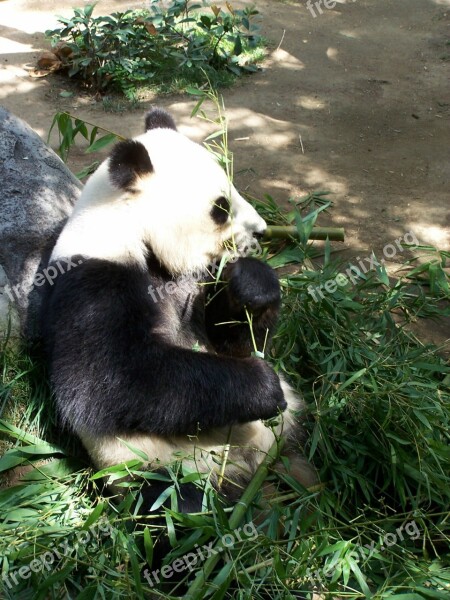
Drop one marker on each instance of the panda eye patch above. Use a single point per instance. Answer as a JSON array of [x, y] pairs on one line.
[[221, 211]]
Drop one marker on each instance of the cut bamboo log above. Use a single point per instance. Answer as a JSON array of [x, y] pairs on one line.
[[283, 232]]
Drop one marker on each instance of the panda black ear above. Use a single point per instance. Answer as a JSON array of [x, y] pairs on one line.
[[158, 118], [128, 160]]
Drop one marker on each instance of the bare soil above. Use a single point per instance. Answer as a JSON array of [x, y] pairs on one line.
[[354, 100]]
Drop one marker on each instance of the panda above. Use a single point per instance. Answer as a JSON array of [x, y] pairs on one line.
[[148, 343]]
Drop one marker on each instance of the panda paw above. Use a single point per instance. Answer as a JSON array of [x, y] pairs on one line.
[[252, 284], [270, 400]]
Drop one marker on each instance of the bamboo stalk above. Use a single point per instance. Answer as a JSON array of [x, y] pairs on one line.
[[283, 232], [197, 589]]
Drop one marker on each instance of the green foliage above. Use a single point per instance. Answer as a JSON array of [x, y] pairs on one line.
[[168, 46], [217, 142], [381, 408], [69, 128]]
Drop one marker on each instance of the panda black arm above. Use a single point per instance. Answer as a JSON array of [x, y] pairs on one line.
[[246, 284], [113, 371], [183, 391]]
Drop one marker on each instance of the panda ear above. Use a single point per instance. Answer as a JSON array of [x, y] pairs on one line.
[[128, 161], [158, 118]]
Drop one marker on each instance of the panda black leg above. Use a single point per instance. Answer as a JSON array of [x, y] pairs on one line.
[[189, 497], [189, 500]]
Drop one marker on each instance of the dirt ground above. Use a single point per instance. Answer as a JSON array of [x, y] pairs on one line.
[[353, 99]]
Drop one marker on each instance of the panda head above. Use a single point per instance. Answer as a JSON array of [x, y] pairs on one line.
[[163, 193]]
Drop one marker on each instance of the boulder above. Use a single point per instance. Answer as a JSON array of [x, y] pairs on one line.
[[36, 196]]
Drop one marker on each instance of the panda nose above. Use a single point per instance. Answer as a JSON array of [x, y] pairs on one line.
[[258, 235]]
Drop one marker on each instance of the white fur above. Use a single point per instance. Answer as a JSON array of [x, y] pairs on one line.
[[170, 211]]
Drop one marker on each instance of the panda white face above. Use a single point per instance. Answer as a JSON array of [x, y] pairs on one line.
[[163, 191]]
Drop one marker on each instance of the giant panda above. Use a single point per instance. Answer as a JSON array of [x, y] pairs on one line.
[[149, 346]]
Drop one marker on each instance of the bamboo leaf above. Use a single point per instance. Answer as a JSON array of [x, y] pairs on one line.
[[101, 143], [351, 379], [95, 515], [148, 546], [162, 498], [359, 577]]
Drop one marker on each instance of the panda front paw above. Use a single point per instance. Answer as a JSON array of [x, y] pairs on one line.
[[252, 284], [269, 400]]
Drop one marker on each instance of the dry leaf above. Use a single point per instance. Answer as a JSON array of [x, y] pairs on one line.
[[151, 28], [47, 60], [63, 51], [230, 7]]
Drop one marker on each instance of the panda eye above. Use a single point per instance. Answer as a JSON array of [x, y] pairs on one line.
[[221, 211]]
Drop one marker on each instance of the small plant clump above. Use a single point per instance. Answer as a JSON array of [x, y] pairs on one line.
[[167, 48]]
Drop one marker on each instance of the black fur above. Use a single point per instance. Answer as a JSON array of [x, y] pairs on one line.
[[246, 284], [189, 496], [114, 368], [129, 160], [158, 118], [220, 211]]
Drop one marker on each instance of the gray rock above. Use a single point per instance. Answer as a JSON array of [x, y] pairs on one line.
[[9, 319], [37, 193]]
